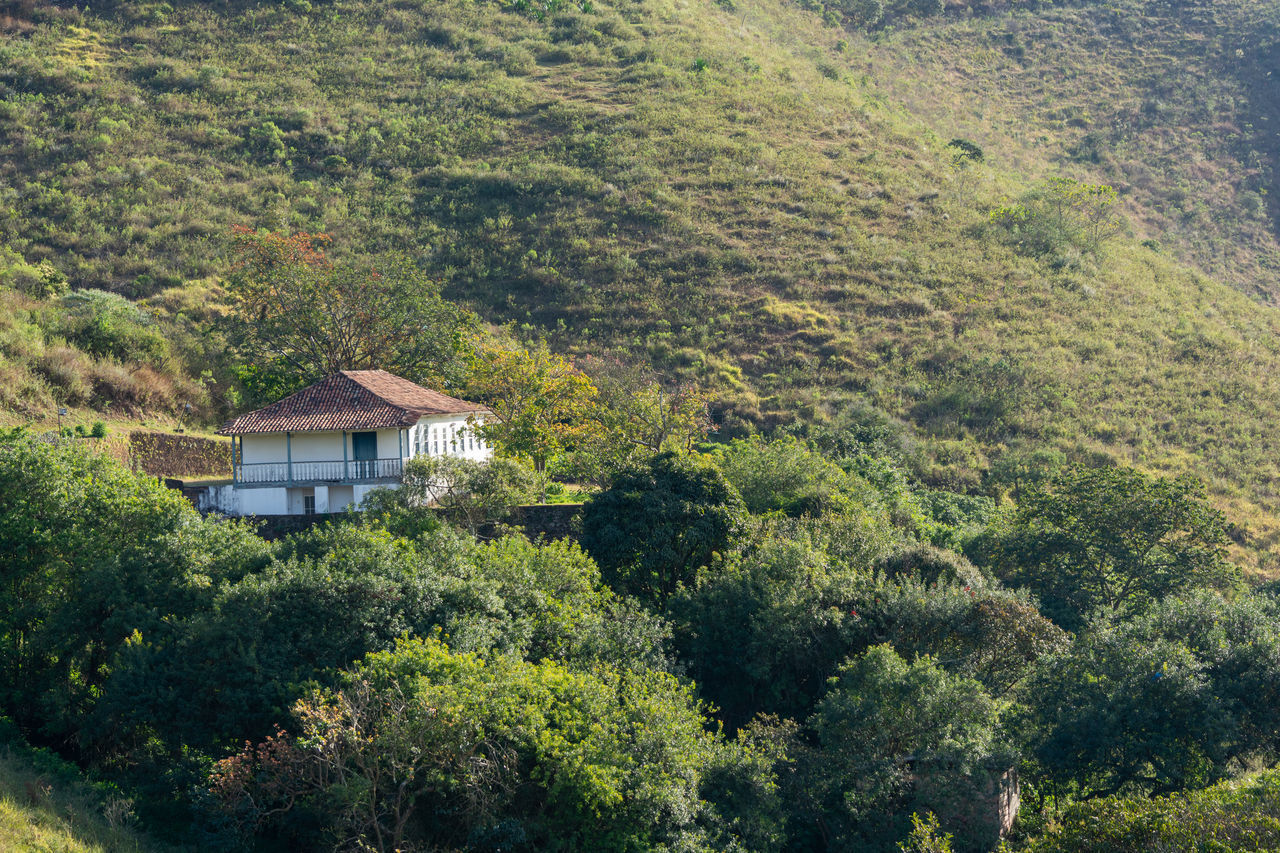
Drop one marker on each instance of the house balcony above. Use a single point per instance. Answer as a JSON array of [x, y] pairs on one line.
[[338, 471]]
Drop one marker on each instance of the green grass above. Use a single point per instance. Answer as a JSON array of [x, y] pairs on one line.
[[1173, 105], [50, 813], [725, 191]]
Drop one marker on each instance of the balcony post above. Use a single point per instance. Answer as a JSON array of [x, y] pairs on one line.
[[288, 457], [346, 469], [235, 463]]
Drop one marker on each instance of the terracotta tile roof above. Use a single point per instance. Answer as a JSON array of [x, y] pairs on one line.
[[350, 400]]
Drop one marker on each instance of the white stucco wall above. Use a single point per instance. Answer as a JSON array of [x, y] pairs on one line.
[[229, 500], [232, 501], [316, 446], [268, 447], [442, 435], [296, 495], [448, 435], [340, 498]]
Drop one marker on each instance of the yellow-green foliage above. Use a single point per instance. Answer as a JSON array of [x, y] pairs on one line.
[[1239, 816]]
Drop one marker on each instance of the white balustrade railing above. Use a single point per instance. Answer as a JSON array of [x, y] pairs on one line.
[[335, 471]]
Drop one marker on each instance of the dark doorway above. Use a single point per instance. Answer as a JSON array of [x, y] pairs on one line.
[[364, 449]]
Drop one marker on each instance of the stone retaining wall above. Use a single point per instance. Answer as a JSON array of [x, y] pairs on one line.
[[163, 454], [550, 521]]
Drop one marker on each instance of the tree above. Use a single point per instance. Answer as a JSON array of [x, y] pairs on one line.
[[650, 412], [1109, 537], [895, 737], [640, 413], [469, 494], [1059, 213], [1237, 815], [92, 552], [299, 316], [865, 14], [1110, 715], [437, 749], [926, 836], [331, 596], [543, 405], [657, 525], [786, 476]]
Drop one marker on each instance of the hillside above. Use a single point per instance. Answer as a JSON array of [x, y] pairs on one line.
[[1175, 104], [54, 812], [734, 191]]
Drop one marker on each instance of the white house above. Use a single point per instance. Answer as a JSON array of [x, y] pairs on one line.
[[322, 449]]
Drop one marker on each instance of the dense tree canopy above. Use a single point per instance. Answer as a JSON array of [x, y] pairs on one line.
[[542, 404], [302, 315], [718, 682], [657, 525], [1095, 538]]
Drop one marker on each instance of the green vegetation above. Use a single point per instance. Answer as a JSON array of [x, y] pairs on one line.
[[1231, 816], [656, 526], [46, 806], [303, 317], [731, 676], [975, 303], [1109, 538], [957, 221]]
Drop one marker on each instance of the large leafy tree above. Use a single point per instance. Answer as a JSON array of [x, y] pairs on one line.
[[92, 554], [1096, 538], [895, 736], [432, 748], [300, 315], [1171, 699], [542, 403], [657, 524], [649, 411], [1111, 714]]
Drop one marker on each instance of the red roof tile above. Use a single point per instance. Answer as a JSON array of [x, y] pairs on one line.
[[351, 400]]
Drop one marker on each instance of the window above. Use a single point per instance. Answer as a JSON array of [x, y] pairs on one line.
[[308, 504]]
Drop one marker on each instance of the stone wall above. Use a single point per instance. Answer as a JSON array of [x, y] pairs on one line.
[[163, 454], [273, 527], [550, 521]]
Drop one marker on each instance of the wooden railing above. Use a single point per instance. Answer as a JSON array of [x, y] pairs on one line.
[[300, 473]]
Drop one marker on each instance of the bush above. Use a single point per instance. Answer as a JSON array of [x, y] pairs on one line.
[[893, 738], [786, 476], [109, 326], [469, 494], [1237, 816], [656, 526], [443, 749]]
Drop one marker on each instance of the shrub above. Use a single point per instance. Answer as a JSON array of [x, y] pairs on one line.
[[109, 326], [1237, 816], [656, 526]]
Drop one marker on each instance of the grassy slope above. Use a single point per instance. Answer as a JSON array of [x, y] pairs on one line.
[[723, 192], [1174, 104], [40, 816]]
